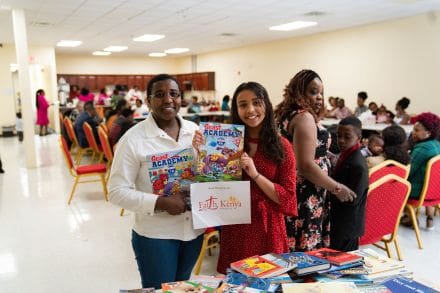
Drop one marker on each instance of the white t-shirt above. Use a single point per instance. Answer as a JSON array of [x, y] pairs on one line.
[[130, 187]]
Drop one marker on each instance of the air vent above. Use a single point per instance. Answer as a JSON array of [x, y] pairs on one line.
[[40, 24], [314, 13]]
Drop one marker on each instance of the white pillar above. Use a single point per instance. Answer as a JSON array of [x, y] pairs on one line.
[[24, 81]]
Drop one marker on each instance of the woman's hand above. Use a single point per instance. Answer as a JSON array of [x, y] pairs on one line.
[[173, 204], [247, 163], [198, 140], [345, 194]]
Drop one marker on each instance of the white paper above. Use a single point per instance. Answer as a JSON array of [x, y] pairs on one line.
[[220, 203]]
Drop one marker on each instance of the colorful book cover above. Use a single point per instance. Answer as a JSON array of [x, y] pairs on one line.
[[209, 281], [257, 266], [231, 288], [185, 286], [263, 284], [143, 290], [335, 256], [306, 264], [343, 267], [320, 287], [219, 157], [171, 172], [406, 285]]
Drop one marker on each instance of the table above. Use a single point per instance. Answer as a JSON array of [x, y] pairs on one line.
[[372, 127]]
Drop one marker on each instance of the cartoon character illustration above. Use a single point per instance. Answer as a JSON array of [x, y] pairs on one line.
[[160, 183], [214, 163]]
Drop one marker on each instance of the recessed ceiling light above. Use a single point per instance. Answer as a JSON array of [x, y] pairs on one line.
[[115, 48], [293, 25], [157, 54], [148, 38], [101, 53], [68, 43], [176, 50]]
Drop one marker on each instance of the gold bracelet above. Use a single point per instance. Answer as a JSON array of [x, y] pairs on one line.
[[255, 177]]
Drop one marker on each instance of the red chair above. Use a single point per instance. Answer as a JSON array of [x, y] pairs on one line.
[[82, 171], [388, 167], [72, 136], [90, 137], [385, 202], [430, 195]]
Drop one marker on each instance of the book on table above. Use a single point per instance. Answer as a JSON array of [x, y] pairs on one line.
[[264, 266], [306, 264], [335, 257], [404, 285], [263, 284], [376, 263], [185, 286]]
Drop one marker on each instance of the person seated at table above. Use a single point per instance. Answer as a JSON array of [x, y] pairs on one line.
[[89, 116], [401, 116], [372, 106], [225, 103], [113, 114], [342, 111], [394, 148], [361, 108], [331, 112], [140, 109], [195, 106], [86, 95], [373, 150], [426, 146], [101, 97], [123, 123], [381, 114], [115, 98]]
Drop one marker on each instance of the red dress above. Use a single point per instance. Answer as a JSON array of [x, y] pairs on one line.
[[267, 231]]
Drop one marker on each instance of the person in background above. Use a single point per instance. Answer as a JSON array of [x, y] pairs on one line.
[[74, 93], [140, 109], [42, 111], [19, 126], [195, 106], [372, 106], [115, 98], [86, 95], [120, 126], [101, 97], [373, 149], [426, 146], [342, 111], [381, 114], [347, 219], [225, 103], [389, 117], [165, 244], [394, 148], [401, 116], [89, 116], [268, 162], [361, 107], [133, 95], [112, 115], [333, 103], [297, 117]]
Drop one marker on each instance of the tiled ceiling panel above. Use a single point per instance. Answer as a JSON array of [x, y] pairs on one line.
[[200, 25]]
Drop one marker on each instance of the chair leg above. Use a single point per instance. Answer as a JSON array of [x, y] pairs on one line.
[[387, 248], [413, 217], [73, 189], [104, 186], [199, 262], [122, 212], [79, 156], [399, 255]]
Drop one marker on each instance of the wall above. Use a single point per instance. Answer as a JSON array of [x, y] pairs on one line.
[[45, 78], [389, 60]]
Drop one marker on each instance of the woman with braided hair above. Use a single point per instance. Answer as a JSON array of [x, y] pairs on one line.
[[297, 117]]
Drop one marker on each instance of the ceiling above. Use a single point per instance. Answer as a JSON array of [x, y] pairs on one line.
[[200, 25]]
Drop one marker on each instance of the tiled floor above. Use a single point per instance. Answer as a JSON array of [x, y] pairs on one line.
[[47, 246]]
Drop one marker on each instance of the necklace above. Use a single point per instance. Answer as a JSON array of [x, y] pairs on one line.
[[253, 140]]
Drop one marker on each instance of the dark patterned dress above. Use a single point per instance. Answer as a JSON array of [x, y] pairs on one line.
[[311, 228]]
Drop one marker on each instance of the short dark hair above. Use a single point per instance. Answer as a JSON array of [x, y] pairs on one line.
[[157, 78], [89, 106], [362, 95], [375, 137], [126, 112], [354, 122], [394, 138]]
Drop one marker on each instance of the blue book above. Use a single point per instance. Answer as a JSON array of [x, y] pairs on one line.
[[403, 285], [263, 284], [306, 264]]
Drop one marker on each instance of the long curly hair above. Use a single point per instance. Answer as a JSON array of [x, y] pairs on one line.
[[270, 140], [295, 97], [394, 138]]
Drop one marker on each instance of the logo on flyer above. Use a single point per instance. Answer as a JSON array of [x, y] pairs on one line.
[[214, 203]]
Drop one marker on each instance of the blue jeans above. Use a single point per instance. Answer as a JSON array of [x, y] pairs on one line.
[[164, 260]]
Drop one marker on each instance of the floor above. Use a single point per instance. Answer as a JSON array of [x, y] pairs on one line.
[[46, 245]]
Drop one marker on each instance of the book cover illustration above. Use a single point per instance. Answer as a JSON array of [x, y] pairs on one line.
[[257, 266], [209, 281], [406, 285], [230, 288], [219, 157], [335, 256], [185, 286], [143, 290], [263, 284], [171, 172], [375, 263], [306, 264]]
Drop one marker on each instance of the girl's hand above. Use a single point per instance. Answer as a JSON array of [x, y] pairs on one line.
[[198, 140], [247, 163]]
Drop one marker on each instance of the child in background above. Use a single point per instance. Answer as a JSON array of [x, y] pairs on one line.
[[19, 126], [373, 150], [347, 218]]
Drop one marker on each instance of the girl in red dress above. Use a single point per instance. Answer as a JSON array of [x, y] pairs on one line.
[[269, 163], [42, 112]]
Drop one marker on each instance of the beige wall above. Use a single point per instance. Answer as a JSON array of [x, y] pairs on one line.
[[44, 56], [388, 60]]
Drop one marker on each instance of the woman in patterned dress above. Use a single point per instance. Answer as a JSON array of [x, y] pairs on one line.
[[269, 163], [298, 118]]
